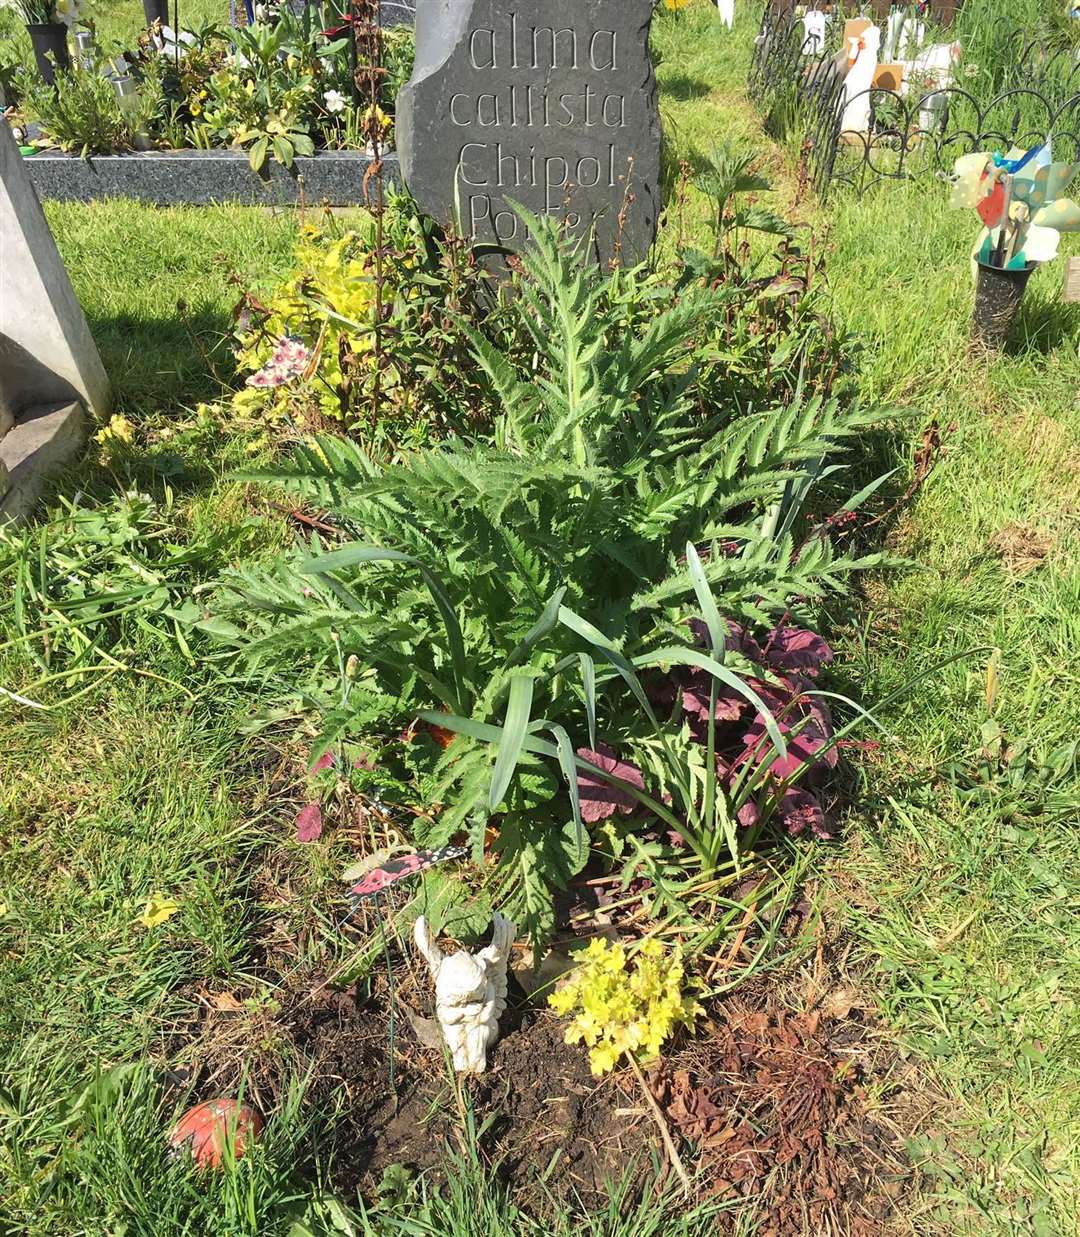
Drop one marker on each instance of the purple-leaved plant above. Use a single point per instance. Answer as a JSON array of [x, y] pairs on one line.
[[791, 658]]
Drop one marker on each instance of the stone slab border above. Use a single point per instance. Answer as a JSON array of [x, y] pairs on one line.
[[205, 177], [46, 439]]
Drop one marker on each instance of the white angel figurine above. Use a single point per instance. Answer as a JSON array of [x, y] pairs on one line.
[[470, 993]]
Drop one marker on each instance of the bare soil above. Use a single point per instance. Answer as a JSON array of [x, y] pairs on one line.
[[788, 1096]]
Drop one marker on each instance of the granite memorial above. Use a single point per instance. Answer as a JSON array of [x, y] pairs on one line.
[[50, 371], [551, 104]]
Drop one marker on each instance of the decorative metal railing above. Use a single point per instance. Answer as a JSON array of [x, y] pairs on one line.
[[1036, 99]]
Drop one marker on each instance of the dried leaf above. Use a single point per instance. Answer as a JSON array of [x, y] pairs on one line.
[[159, 909]]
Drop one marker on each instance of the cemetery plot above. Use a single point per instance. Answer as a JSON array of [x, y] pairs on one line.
[[299, 106]]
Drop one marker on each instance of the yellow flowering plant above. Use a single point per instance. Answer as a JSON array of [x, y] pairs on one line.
[[309, 350], [622, 1005]]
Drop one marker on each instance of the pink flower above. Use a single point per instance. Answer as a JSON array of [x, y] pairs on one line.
[[289, 359], [325, 761], [309, 823]]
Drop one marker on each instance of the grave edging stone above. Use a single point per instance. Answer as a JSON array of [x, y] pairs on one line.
[[205, 177]]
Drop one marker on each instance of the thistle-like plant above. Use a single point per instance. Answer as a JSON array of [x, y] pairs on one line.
[[504, 584]]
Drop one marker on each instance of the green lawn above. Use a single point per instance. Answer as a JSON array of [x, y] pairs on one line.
[[958, 893]]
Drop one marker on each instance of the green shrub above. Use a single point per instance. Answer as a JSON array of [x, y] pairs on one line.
[[515, 579], [391, 365]]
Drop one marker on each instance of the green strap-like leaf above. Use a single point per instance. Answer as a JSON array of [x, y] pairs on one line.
[[588, 684], [598, 640], [569, 769], [709, 612], [540, 628], [353, 555], [513, 735]]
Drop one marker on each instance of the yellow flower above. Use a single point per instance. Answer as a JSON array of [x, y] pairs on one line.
[[119, 428], [674, 5], [159, 909]]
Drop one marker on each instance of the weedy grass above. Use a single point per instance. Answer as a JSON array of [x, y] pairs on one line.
[[957, 874], [133, 266]]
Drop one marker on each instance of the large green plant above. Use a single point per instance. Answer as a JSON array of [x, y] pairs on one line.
[[490, 579]]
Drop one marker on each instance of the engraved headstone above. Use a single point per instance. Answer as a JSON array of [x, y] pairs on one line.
[[548, 103]]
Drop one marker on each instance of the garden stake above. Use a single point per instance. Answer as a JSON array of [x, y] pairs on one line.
[[662, 1126], [392, 1021]]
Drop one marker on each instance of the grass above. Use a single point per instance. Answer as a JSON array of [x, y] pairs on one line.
[[132, 266], [964, 904]]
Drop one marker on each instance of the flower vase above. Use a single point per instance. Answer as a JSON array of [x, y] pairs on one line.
[[156, 10], [998, 294], [49, 40]]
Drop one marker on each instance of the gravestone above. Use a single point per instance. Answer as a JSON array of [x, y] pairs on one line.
[[396, 13], [548, 103], [49, 367]]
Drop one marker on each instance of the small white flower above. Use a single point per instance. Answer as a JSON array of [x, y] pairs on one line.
[[334, 100], [68, 11]]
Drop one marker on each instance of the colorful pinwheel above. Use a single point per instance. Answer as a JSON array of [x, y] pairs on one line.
[[1018, 198]]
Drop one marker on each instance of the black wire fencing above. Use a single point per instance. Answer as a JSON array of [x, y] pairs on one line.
[[1030, 95]]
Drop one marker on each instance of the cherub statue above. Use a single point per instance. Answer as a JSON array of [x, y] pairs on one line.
[[470, 993]]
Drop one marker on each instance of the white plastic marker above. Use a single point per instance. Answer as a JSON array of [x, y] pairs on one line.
[[863, 58], [813, 32]]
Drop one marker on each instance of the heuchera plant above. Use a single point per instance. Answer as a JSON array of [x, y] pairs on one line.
[[625, 1006], [790, 659]]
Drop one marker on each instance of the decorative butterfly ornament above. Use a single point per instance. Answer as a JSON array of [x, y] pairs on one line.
[[394, 870]]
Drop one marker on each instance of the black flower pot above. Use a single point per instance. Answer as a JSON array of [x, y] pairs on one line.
[[998, 294], [50, 47], [156, 10]]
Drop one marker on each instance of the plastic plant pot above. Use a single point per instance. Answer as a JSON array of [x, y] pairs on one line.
[[998, 294], [49, 40], [156, 10]]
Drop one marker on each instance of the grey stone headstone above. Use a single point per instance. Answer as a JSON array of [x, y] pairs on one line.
[[397, 12], [47, 354], [548, 103]]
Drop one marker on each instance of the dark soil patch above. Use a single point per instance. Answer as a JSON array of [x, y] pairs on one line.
[[543, 1114], [546, 1106], [786, 1098]]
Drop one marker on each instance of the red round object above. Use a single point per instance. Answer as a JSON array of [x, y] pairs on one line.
[[204, 1129]]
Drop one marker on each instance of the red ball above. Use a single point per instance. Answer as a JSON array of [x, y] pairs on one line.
[[205, 1129]]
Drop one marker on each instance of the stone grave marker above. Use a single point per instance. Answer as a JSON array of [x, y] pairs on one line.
[[50, 370], [1071, 294], [548, 103]]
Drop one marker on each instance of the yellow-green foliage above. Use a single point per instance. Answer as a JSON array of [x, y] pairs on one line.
[[328, 302], [622, 1006]]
